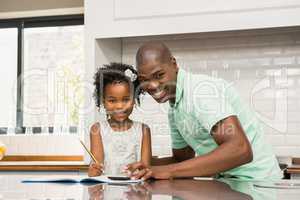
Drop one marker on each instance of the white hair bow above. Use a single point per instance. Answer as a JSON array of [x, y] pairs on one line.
[[130, 75]]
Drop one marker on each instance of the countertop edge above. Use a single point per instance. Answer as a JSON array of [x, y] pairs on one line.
[[44, 167]]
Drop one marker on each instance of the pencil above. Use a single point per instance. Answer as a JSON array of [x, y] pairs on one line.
[[90, 153]]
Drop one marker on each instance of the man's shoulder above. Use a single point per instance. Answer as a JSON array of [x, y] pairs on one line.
[[195, 78], [205, 84]]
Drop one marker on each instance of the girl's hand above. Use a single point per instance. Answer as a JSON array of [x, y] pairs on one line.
[[95, 169], [96, 192]]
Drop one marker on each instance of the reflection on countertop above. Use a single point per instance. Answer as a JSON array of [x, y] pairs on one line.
[[188, 189], [165, 189]]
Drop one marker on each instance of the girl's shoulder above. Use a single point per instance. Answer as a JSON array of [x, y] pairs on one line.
[[98, 125], [141, 124], [138, 123]]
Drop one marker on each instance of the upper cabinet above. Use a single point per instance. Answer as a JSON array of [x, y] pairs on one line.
[[123, 18]]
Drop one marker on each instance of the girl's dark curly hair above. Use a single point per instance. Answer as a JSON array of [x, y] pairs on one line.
[[111, 74]]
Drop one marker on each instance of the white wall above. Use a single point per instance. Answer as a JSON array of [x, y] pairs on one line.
[[249, 59]]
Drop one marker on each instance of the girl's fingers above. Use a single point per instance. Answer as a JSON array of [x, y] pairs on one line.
[[96, 169], [97, 166], [100, 171], [95, 172]]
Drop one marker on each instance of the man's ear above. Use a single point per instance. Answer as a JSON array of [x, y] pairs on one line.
[[174, 62]]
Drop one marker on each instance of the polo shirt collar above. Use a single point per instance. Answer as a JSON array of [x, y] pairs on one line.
[[179, 86]]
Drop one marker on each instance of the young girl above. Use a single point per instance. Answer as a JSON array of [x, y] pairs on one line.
[[118, 140]]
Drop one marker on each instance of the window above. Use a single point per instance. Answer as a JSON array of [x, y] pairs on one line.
[[47, 54], [8, 69]]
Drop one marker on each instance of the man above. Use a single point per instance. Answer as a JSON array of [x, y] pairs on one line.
[[206, 118]]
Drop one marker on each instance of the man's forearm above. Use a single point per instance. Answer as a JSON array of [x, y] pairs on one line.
[[233, 151], [225, 157], [178, 156], [163, 161]]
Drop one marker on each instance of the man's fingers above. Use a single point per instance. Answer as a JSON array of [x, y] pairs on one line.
[[134, 166], [147, 175], [139, 174]]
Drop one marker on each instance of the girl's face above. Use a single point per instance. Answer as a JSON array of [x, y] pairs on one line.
[[118, 101]]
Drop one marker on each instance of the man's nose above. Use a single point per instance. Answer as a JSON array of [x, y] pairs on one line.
[[152, 85]]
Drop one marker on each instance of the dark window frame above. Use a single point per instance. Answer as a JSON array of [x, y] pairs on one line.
[[21, 24]]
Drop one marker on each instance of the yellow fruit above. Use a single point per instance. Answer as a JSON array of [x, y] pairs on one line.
[[2, 150]]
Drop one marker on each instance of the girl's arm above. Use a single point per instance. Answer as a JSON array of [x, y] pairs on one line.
[[146, 153], [96, 143]]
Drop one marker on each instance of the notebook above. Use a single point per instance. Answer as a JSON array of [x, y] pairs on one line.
[[79, 179]]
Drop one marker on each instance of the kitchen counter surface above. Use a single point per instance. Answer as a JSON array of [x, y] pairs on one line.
[[13, 188]]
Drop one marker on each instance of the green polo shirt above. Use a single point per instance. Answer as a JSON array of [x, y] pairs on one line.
[[201, 102]]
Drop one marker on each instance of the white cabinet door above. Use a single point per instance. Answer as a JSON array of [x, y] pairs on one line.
[[121, 18]]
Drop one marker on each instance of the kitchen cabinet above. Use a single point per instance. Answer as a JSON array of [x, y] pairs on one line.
[[119, 18]]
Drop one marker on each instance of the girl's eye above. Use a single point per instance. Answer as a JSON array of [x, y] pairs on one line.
[[126, 100], [111, 101]]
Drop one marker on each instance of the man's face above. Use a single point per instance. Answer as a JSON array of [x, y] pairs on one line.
[[159, 79]]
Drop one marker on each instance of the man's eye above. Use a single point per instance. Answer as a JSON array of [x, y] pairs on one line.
[[142, 80], [158, 76]]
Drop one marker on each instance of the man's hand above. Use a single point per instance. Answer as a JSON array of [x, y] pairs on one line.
[[138, 191], [139, 171], [95, 169]]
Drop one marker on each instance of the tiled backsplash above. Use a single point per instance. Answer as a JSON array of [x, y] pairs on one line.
[[263, 65], [42, 144]]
